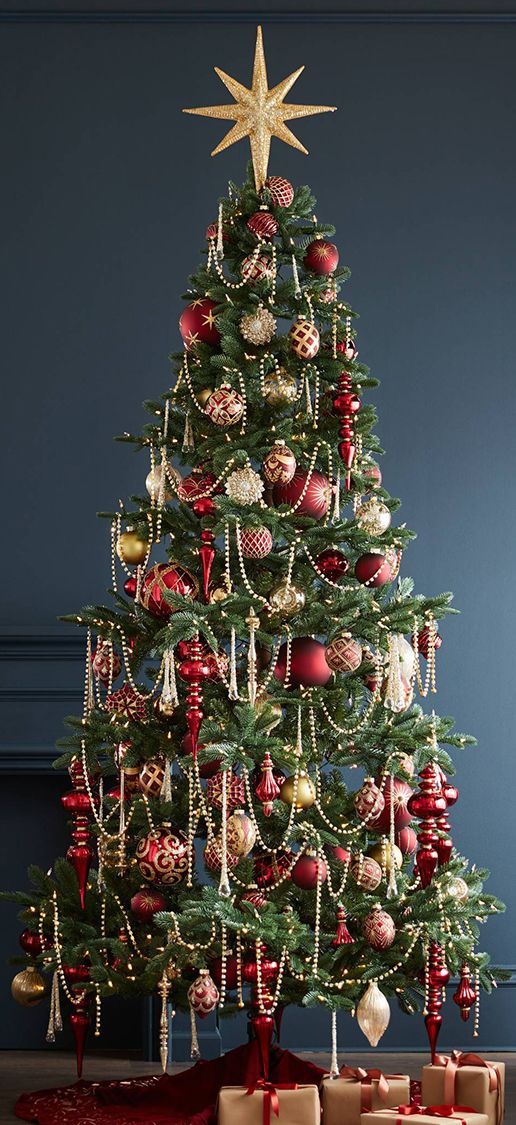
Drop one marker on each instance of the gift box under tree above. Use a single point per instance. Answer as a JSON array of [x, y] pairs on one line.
[[425, 1115], [464, 1078], [358, 1091], [267, 1104]]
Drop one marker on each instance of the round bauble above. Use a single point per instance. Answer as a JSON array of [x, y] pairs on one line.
[[164, 578], [130, 586], [257, 268], [308, 667], [425, 639], [31, 943], [279, 388], [203, 395], [105, 662], [321, 257], [152, 776], [279, 464], [332, 564], [369, 801], [28, 987], [379, 929], [458, 889], [203, 994], [406, 840], [309, 870], [196, 484], [304, 793], [244, 486], [225, 406], [230, 971], [235, 791], [155, 480], [366, 872], [384, 855], [281, 191], [271, 868], [373, 476], [212, 231], [131, 549], [258, 327], [126, 703], [347, 348], [256, 542], [342, 855], [263, 224], [308, 495], [286, 600], [162, 856], [197, 324], [254, 897], [402, 816], [240, 834], [373, 569], [146, 903], [373, 516], [304, 339], [406, 657], [344, 653], [213, 855]]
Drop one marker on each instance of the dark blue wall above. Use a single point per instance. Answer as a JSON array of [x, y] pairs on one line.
[[106, 189]]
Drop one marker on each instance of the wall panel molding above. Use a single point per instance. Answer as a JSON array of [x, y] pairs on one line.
[[251, 16]]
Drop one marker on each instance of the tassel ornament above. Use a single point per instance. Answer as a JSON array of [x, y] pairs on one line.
[[55, 1021], [233, 684], [253, 622]]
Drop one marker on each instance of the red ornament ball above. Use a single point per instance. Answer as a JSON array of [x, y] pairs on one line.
[[333, 564], [373, 569], [341, 854], [257, 268], [366, 872], [402, 816], [215, 967], [256, 542], [105, 662], [166, 578], [369, 801], [423, 641], [347, 348], [193, 487], [281, 191], [304, 339], [379, 929], [213, 855], [321, 257], [197, 324], [373, 476], [270, 868], [130, 586], [308, 667], [254, 897], [308, 499], [406, 840], [225, 406], [308, 870], [162, 856], [146, 903], [344, 654], [263, 224], [31, 943], [152, 776], [279, 464]]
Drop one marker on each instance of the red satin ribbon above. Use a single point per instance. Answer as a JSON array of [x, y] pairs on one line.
[[270, 1096], [433, 1111], [366, 1079], [452, 1063]]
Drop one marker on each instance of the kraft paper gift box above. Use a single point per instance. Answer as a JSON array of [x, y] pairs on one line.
[[430, 1115], [344, 1099], [269, 1104], [464, 1078]]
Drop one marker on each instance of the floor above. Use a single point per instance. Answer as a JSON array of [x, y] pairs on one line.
[[34, 1070]]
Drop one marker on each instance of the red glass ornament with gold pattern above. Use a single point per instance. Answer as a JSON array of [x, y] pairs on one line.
[[203, 994], [162, 856], [465, 995], [163, 579], [197, 324], [280, 189], [321, 257]]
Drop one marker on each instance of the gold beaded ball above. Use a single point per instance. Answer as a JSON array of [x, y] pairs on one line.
[[258, 327], [373, 516], [286, 600], [244, 486], [279, 388], [305, 795], [240, 834], [159, 485], [28, 987], [131, 549], [457, 888]]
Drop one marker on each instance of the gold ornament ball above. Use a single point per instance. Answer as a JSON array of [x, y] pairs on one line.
[[218, 594], [305, 796], [131, 549], [286, 600], [28, 987], [203, 396], [381, 852], [458, 889], [276, 711], [279, 387], [153, 482], [373, 516]]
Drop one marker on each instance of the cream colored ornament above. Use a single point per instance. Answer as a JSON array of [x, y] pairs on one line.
[[373, 516], [154, 479], [258, 327], [286, 600], [240, 834], [406, 657], [244, 486], [373, 1014], [305, 794], [457, 888], [279, 387], [382, 852]]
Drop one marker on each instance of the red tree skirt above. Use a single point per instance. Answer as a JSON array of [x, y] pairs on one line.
[[188, 1098]]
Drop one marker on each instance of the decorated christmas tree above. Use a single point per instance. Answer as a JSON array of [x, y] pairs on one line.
[[261, 640]]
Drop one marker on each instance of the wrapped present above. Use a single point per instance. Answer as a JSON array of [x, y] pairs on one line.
[[358, 1090], [425, 1115], [266, 1104], [467, 1079]]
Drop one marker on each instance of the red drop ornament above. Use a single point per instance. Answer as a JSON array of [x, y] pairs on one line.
[[465, 994], [267, 789]]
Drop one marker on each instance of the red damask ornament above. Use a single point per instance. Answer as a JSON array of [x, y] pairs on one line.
[[162, 856], [369, 801], [152, 776], [213, 855], [257, 268], [379, 929], [344, 653], [163, 579], [225, 406], [279, 464], [195, 485]]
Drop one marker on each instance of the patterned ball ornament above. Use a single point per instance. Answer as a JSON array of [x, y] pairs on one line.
[[373, 569], [379, 929], [235, 791], [257, 268], [309, 495], [369, 801], [366, 872], [146, 903], [166, 578], [332, 564], [152, 776], [458, 889], [244, 486], [304, 339], [196, 484], [271, 867], [28, 987], [308, 667], [385, 855], [105, 662], [225, 406], [263, 225], [285, 600], [373, 516], [154, 479], [344, 654], [203, 994], [162, 856], [406, 840], [197, 324], [256, 542], [321, 257], [308, 870], [213, 855], [258, 327], [279, 388], [402, 793], [240, 834], [281, 191], [279, 464]]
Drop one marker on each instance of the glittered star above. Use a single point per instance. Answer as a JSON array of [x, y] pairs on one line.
[[259, 113]]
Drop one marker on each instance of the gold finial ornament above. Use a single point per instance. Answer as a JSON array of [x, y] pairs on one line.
[[259, 113]]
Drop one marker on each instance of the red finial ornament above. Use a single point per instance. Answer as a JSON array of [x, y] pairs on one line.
[[194, 668], [206, 555], [426, 804], [342, 936], [77, 802], [345, 405], [465, 995], [267, 789], [438, 977], [263, 1027], [445, 844], [77, 975]]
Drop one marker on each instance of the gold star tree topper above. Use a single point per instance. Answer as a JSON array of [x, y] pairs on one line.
[[259, 113]]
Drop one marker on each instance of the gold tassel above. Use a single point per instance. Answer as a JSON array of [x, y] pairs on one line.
[[233, 684], [55, 1022], [253, 622], [194, 1049], [224, 887], [220, 240], [188, 437]]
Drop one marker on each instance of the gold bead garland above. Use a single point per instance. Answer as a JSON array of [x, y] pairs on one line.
[[429, 683]]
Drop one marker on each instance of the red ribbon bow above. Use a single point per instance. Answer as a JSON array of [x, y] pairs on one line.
[[452, 1063], [453, 1111], [366, 1079], [270, 1096]]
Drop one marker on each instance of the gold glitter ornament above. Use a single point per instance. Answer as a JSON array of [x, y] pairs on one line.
[[373, 516], [259, 113], [258, 327], [244, 486], [286, 600], [240, 834], [305, 795], [131, 549], [28, 987], [458, 889], [279, 387], [203, 396]]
